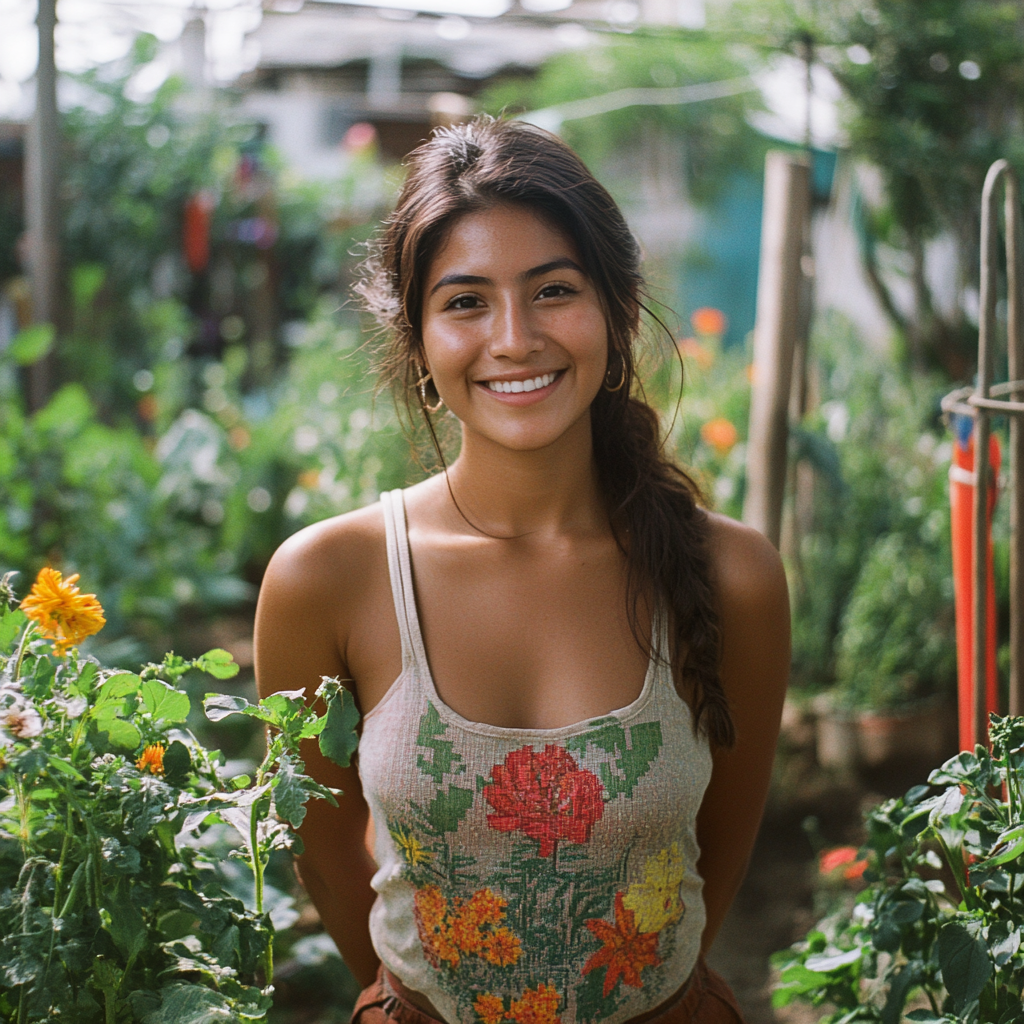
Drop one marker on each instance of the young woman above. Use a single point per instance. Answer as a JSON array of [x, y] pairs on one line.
[[571, 675]]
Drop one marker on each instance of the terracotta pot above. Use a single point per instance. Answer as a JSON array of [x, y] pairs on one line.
[[918, 733]]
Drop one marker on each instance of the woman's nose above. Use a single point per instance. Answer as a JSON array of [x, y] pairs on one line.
[[515, 332]]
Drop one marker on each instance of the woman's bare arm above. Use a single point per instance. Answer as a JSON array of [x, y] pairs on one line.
[[300, 637], [754, 608]]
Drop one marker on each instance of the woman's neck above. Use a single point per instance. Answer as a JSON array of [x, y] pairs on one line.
[[509, 493]]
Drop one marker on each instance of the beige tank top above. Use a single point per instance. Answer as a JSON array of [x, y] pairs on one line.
[[531, 875]]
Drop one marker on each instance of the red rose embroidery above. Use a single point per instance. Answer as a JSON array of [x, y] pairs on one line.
[[546, 795]]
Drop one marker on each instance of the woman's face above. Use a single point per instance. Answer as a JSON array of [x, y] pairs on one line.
[[513, 331]]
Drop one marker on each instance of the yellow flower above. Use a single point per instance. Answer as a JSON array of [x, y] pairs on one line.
[[152, 759], [655, 901], [412, 849], [490, 1008], [63, 614]]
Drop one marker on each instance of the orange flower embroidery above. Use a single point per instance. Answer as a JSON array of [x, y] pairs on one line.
[[152, 759], [64, 615], [708, 320], [626, 952], [489, 1008], [538, 1006], [502, 948]]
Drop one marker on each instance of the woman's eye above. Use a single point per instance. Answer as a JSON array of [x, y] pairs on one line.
[[463, 302], [555, 291]]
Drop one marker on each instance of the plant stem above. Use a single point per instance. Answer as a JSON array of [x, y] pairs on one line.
[[257, 874], [28, 634]]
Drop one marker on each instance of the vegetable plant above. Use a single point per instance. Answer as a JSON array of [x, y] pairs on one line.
[[112, 907], [935, 936]]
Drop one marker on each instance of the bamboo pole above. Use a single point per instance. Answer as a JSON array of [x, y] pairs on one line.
[[41, 200], [784, 222], [1015, 354]]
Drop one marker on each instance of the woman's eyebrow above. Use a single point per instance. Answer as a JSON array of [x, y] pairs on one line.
[[561, 263]]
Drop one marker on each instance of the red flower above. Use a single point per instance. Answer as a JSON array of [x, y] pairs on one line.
[[546, 795], [845, 857], [626, 952]]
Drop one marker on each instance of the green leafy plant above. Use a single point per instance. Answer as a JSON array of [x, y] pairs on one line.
[[113, 902], [936, 934]]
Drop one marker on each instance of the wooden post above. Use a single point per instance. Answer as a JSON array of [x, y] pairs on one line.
[[41, 199], [783, 225], [1015, 354]]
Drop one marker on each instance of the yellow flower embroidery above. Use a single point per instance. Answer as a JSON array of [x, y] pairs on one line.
[[412, 849], [655, 901], [64, 615], [537, 1006]]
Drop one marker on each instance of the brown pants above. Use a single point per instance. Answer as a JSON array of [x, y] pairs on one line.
[[707, 1000]]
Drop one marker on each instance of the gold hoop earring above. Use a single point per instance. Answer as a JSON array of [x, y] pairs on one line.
[[622, 379], [421, 384]]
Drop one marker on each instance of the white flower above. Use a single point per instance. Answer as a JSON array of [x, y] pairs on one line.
[[73, 707], [24, 723]]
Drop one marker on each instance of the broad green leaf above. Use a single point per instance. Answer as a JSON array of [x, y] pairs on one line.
[[190, 1004], [127, 928], [177, 761], [66, 767], [289, 794], [965, 964], [899, 988], [339, 739], [12, 621], [30, 344], [121, 733], [823, 963], [219, 705], [1012, 843], [164, 702], [313, 728], [116, 687], [217, 663]]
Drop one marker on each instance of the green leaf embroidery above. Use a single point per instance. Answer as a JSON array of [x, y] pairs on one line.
[[447, 809], [445, 761], [635, 752]]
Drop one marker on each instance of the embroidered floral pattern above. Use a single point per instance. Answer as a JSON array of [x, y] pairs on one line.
[[450, 930], [655, 901], [626, 951], [489, 933], [545, 795]]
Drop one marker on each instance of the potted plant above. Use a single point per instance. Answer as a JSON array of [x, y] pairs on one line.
[[895, 661], [111, 907], [935, 934]]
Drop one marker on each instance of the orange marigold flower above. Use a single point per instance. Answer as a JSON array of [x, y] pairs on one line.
[[487, 907], [502, 948], [537, 1006], [626, 951], [152, 759], [490, 1008], [64, 615], [465, 930], [708, 320], [691, 348], [845, 857], [720, 434]]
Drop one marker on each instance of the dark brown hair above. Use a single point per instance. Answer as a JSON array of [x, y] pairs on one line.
[[652, 502]]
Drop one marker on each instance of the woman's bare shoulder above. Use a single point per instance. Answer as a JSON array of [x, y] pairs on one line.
[[330, 558], [747, 569]]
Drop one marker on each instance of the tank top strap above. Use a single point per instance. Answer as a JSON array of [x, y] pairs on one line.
[[400, 570]]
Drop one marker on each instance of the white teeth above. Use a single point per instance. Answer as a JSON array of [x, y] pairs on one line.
[[517, 386]]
